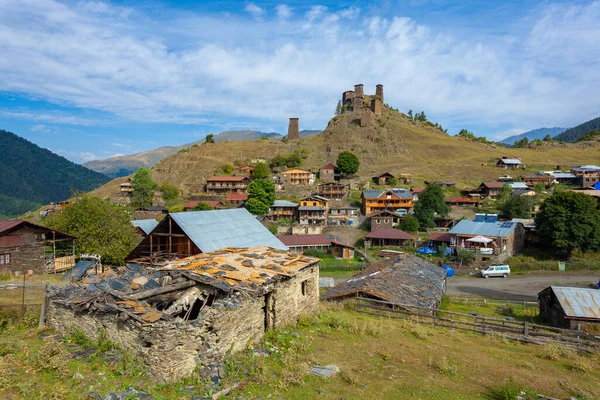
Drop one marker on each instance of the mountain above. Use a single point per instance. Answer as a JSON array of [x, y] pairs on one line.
[[119, 166], [573, 134], [534, 134], [32, 176]]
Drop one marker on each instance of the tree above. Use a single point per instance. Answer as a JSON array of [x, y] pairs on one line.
[[392, 181], [410, 114], [338, 108], [227, 169], [547, 138], [569, 221], [284, 139], [210, 138], [143, 186], [505, 193], [100, 228], [409, 224], [539, 187], [168, 191], [261, 194], [431, 201], [261, 171], [202, 206], [348, 163], [516, 207]]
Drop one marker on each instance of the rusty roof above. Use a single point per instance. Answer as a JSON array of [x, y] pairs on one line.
[[389, 233], [226, 178], [405, 279], [578, 302], [233, 266], [440, 237], [328, 166], [305, 240], [460, 199], [235, 196], [493, 185], [8, 225]]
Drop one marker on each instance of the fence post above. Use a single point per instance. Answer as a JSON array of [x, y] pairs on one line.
[[23, 297], [42, 322], [526, 329]]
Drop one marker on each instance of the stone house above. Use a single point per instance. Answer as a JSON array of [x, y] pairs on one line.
[[384, 219], [226, 184], [194, 312], [151, 212], [329, 173], [461, 202], [341, 215], [568, 307], [586, 175], [236, 198], [244, 170], [25, 246]]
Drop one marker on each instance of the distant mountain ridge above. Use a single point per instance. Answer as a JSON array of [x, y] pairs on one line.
[[573, 134], [32, 176], [533, 135], [119, 166]]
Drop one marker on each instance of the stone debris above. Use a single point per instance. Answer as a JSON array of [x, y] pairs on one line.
[[129, 394], [78, 376], [327, 371]]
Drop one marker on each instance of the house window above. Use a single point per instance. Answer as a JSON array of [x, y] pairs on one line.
[[304, 285], [4, 259]]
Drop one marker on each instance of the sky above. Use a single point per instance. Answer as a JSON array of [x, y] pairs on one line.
[[94, 79]]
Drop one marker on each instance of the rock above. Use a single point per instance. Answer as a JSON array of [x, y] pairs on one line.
[[78, 376], [327, 371], [215, 380], [94, 396], [140, 280]]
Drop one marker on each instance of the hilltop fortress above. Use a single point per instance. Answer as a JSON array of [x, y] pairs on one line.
[[365, 106]]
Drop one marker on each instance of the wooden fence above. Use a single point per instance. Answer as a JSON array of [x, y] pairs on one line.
[[508, 328]]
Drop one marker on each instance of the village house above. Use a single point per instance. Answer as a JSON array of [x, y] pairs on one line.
[[437, 239], [329, 173], [143, 227], [487, 236], [297, 177], [403, 178], [283, 210], [443, 184], [341, 215], [404, 280], [383, 178], [313, 210], [29, 247], [517, 186], [532, 180], [236, 198], [490, 189], [191, 314], [415, 193], [587, 175], [510, 163], [244, 170], [215, 204], [185, 234], [570, 307], [384, 219], [226, 184], [461, 202], [379, 200], [151, 212], [389, 237], [319, 242], [333, 190], [563, 178]]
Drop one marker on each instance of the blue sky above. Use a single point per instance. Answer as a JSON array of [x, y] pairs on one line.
[[92, 79]]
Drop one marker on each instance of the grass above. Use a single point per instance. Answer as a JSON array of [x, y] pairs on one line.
[[540, 260]]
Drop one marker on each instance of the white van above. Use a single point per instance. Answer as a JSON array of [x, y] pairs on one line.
[[502, 270]]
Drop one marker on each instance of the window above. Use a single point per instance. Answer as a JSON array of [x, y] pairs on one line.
[[4, 259], [304, 284]]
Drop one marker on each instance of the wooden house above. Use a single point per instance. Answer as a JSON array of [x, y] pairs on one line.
[[570, 307], [226, 184], [236, 198], [389, 237], [313, 210], [532, 180], [297, 177], [379, 200], [510, 163], [329, 173], [319, 242], [383, 178], [490, 189], [333, 190], [244, 170], [461, 202], [340, 215], [282, 210], [384, 219]]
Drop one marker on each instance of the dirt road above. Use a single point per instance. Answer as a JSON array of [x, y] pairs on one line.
[[518, 287]]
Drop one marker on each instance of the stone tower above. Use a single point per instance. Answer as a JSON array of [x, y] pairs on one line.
[[293, 130], [359, 98], [376, 106], [379, 92], [358, 90]]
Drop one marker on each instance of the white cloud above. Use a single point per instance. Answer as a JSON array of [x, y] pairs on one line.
[[79, 157], [254, 9], [220, 70], [39, 128], [283, 11]]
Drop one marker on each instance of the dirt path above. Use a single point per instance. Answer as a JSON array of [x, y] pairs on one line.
[[518, 287]]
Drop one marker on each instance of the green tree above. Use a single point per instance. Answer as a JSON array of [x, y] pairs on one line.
[[100, 228], [273, 228], [569, 221], [505, 193], [143, 186], [465, 257], [202, 206], [210, 138], [261, 194], [227, 169], [261, 171], [168, 191], [409, 224], [338, 108], [348, 163], [284, 139], [516, 207], [410, 114], [431, 201], [539, 187], [392, 181], [547, 138]]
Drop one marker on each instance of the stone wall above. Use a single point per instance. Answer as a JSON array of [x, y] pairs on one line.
[[306, 229], [147, 214], [296, 296], [358, 90], [377, 106]]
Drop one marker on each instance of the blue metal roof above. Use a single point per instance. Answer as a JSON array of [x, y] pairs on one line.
[[217, 229], [283, 203], [578, 302], [493, 229], [517, 185], [563, 175], [146, 225], [584, 168]]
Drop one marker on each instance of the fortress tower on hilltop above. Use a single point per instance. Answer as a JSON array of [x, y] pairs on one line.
[[293, 129], [366, 106]]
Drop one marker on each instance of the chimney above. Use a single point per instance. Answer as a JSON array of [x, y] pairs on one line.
[[293, 131]]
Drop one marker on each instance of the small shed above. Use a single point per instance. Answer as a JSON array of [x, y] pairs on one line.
[[567, 307], [383, 178], [389, 237]]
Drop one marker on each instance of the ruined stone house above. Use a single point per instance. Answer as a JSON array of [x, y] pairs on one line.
[[193, 312]]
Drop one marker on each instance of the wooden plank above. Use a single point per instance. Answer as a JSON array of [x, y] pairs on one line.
[[165, 289]]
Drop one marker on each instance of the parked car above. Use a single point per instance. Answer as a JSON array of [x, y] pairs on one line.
[[502, 270]]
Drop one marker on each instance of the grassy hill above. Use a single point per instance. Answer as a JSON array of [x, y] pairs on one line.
[[32, 176], [393, 142], [573, 134]]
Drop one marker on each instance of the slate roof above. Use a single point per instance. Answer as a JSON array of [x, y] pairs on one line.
[[406, 279], [492, 229], [388, 233], [216, 229], [146, 225], [283, 203], [375, 194], [578, 302]]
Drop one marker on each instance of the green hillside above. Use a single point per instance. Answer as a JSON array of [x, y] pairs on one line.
[[32, 176], [573, 134]]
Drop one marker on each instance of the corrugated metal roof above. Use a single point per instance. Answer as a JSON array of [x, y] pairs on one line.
[[494, 229], [563, 175], [226, 178], [217, 229], [312, 208], [510, 161], [584, 168], [388, 233], [283, 203], [6, 225], [146, 225], [517, 185], [578, 302], [375, 194], [305, 240]]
